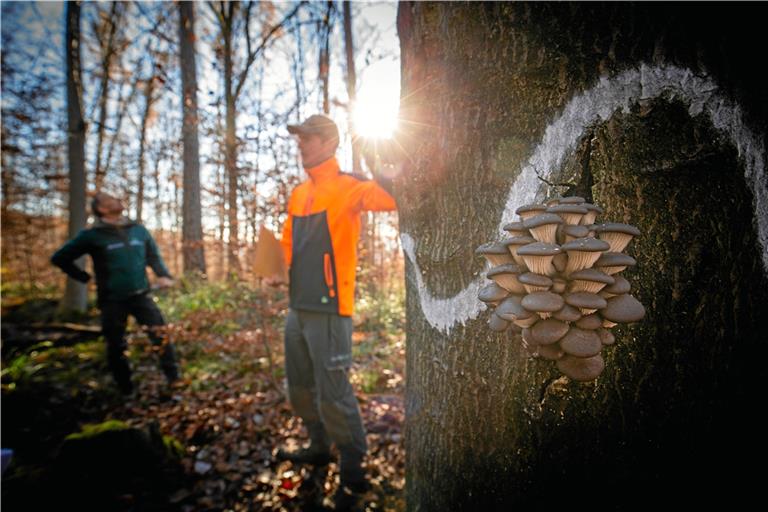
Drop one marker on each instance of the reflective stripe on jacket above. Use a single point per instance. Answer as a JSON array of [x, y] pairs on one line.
[[320, 236]]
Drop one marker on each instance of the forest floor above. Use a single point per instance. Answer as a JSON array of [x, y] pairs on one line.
[[229, 414]]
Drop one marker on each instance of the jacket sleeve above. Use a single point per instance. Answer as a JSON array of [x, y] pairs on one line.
[[65, 257], [373, 197], [154, 260]]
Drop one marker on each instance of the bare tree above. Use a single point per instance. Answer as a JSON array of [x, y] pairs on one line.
[[349, 49], [226, 13], [106, 30], [75, 296], [192, 230]]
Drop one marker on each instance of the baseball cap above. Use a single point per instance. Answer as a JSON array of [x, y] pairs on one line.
[[316, 125]]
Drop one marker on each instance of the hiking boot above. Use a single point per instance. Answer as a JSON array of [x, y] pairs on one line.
[[350, 497], [311, 455]]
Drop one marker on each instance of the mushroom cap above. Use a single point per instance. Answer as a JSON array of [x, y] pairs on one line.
[[586, 244], [507, 268], [622, 309], [542, 219], [606, 336], [553, 201], [545, 302], [582, 369], [518, 240], [592, 274], [572, 200], [531, 208], [551, 352], [497, 324], [581, 342], [492, 292], [548, 331], [567, 208], [532, 279], [589, 322], [568, 313], [514, 226], [616, 227], [584, 300], [511, 309], [539, 249], [575, 230], [492, 248], [592, 207], [620, 286], [615, 259]]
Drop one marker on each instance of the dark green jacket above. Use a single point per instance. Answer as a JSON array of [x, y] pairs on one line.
[[120, 256]]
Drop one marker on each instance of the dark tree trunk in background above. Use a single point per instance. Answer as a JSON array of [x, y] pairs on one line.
[[75, 295], [192, 229], [349, 50], [675, 412]]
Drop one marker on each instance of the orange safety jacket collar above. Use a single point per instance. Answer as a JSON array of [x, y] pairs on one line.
[[320, 236]]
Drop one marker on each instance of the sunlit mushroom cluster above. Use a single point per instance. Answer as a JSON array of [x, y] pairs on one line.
[[557, 279]]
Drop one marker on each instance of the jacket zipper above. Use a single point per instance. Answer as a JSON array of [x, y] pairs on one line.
[[328, 271]]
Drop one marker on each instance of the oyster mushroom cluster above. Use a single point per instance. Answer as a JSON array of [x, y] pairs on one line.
[[557, 279]]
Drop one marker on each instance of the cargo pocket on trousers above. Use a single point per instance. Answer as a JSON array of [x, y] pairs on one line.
[[339, 343]]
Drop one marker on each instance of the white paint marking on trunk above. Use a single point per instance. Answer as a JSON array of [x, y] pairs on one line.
[[599, 104]]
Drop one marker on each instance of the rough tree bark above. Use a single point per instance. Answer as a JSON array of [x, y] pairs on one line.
[[192, 228], [75, 295], [492, 89]]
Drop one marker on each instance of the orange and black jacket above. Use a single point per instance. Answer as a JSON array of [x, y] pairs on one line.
[[320, 236]]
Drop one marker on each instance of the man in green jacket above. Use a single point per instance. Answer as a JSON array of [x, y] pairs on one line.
[[121, 250]]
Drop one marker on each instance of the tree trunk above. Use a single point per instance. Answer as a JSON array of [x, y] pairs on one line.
[[75, 295], [643, 111], [149, 88], [192, 228], [108, 53], [349, 48], [324, 61]]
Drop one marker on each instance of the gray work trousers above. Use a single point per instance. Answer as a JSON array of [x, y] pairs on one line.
[[318, 354]]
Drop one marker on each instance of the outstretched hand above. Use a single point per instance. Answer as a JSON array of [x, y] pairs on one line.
[[164, 282]]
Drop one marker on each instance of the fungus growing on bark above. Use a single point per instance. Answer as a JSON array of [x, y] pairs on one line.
[[535, 282], [587, 302], [495, 252], [592, 212], [568, 232], [616, 234], [551, 352], [515, 229], [543, 227], [570, 213], [506, 276], [538, 257], [614, 262], [589, 322], [582, 369], [622, 309], [581, 342], [618, 287], [606, 336], [492, 293], [582, 253], [542, 303], [548, 331], [514, 243], [498, 324], [528, 211], [568, 313], [563, 291], [590, 280]]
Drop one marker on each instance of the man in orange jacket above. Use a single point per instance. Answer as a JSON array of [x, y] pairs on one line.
[[320, 245]]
